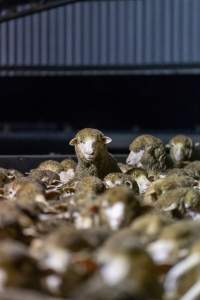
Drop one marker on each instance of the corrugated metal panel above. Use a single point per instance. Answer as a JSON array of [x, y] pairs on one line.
[[121, 33]]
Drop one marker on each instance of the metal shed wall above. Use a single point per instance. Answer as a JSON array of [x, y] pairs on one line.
[[121, 34]]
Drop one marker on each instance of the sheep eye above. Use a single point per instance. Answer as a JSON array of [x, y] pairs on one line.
[[128, 183]]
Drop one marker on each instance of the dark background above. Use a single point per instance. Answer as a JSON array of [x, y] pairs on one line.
[[112, 102], [40, 115]]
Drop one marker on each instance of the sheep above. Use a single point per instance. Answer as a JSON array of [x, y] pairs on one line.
[[181, 148], [148, 152], [92, 154]]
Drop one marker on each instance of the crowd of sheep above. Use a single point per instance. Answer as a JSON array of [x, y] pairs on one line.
[[98, 229]]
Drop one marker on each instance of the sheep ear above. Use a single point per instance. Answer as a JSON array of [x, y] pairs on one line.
[[107, 140], [73, 142]]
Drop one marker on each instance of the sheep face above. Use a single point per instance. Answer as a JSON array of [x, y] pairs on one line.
[[181, 148], [89, 144], [134, 158], [180, 152]]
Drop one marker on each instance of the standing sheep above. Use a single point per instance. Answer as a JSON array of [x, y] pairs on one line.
[[92, 154]]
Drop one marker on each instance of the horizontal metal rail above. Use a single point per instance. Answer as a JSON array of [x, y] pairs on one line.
[[122, 69], [58, 142]]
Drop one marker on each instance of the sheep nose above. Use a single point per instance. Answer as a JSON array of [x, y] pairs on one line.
[[128, 160], [90, 151], [179, 153]]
